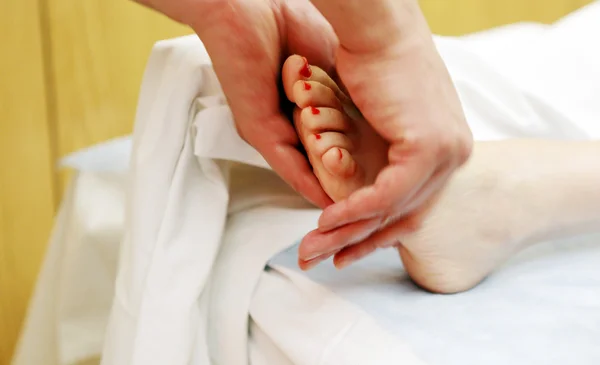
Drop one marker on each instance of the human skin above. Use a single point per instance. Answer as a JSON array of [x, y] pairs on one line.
[[247, 42], [386, 61], [509, 195]]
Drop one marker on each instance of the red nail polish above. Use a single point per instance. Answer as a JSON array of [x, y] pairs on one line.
[[314, 110], [307, 86], [317, 136], [305, 71], [340, 152]]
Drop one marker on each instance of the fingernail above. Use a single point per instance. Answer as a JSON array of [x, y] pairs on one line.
[[310, 263], [319, 255], [342, 264], [312, 257], [389, 244], [307, 86], [305, 71], [307, 265]]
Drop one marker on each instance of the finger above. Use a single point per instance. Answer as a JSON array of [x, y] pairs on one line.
[[309, 34], [394, 186], [429, 193], [391, 235], [350, 255], [293, 167], [385, 238], [309, 264], [248, 72], [317, 243]]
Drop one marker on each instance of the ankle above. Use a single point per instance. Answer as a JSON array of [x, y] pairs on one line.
[[553, 186]]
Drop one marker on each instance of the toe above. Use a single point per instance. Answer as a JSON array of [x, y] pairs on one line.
[[313, 120], [329, 150], [296, 68], [339, 162], [314, 93], [324, 127], [320, 143]]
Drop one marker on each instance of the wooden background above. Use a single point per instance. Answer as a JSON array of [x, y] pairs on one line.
[[69, 77]]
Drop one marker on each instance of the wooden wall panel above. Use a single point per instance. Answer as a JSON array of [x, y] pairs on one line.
[[26, 176], [99, 50], [455, 17]]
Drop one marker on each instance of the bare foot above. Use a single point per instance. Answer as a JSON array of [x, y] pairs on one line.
[[345, 152], [468, 233]]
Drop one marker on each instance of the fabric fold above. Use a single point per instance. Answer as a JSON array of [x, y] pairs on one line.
[[176, 286], [155, 300]]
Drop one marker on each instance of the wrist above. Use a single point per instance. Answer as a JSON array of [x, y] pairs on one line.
[[405, 28], [207, 16]]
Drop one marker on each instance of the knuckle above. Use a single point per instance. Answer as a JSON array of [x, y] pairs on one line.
[[241, 132], [456, 150], [413, 224], [404, 223], [465, 149], [388, 219], [445, 146]]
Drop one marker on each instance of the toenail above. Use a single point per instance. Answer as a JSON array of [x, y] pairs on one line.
[[340, 152], [305, 71], [307, 86], [314, 110], [317, 136]]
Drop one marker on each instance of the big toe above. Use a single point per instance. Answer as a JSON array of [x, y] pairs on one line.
[[296, 68]]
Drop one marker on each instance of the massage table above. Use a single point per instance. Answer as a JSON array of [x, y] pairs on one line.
[[177, 245]]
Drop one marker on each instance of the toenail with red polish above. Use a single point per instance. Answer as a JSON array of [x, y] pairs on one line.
[[314, 110], [317, 136], [305, 71], [340, 152], [307, 86]]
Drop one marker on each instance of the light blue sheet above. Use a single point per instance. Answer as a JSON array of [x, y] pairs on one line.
[[543, 307]]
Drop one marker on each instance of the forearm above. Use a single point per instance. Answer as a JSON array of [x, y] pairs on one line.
[[561, 189], [371, 25]]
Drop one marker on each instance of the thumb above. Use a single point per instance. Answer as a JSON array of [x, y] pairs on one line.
[[309, 34]]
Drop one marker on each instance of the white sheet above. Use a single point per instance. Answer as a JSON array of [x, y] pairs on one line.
[[196, 239], [69, 308], [542, 308]]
